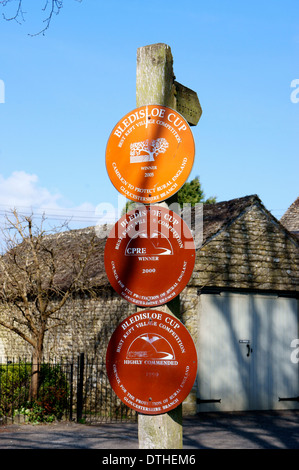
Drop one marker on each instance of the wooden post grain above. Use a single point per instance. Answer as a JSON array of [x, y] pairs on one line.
[[155, 84]]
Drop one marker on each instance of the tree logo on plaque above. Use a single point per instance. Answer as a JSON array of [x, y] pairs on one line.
[[146, 151]]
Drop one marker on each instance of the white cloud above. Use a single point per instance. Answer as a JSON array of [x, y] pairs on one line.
[[22, 191]]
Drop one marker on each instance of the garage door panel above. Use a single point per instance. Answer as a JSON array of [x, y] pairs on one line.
[[244, 351]]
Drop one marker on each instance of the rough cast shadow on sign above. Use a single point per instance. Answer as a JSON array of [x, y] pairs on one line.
[[149, 256], [151, 362], [150, 154]]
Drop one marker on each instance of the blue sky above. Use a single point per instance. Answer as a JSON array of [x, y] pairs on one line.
[[64, 92]]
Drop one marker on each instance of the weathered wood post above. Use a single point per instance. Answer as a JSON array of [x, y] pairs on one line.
[[155, 84]]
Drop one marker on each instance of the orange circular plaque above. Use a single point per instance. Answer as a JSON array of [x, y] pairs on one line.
[[151, 362], [150, 154], [149, 255]]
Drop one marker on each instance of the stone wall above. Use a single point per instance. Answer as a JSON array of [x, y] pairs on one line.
[[86, 325]]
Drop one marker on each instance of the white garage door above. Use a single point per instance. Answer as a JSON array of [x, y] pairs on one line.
[[245, 351]]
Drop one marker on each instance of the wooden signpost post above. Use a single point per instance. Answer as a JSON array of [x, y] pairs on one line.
[[161, 122], [155, 84]]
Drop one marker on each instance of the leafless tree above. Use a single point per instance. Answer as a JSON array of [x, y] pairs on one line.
[[39, 272], [50, 8]]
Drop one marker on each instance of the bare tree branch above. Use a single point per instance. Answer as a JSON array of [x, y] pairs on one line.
[[18, 332], [19, 12], [51, 8]]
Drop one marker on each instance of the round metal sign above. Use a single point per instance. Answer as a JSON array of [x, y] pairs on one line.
[[150, 154], [151, 362], [149, 256]]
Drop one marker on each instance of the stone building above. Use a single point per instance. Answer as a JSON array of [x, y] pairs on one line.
[[246, 276], [240, 306], [291, 218]]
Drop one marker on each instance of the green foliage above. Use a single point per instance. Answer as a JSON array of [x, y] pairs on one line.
[[53, 392], [192, 193], [129, 206], [14, 386], [35, 414], [14, 392]]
